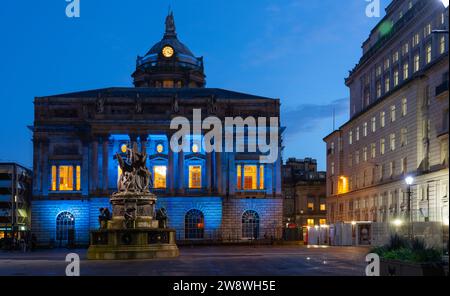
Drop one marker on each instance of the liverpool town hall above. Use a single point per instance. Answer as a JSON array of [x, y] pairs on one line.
[[223, 196]]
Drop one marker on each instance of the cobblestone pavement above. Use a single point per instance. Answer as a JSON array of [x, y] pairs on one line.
[[200, 261]]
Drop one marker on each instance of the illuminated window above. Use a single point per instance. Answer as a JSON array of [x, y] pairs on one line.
[[374, 124], [392, 142], [373, 149], [428, 54], [357, 133], [239, 177], [427, 30], [396, 78], [416, 39], [416, 62], [261, 177], [365, 153], [378, 89], [405, 71], [159, 176], [310, 206], [365, 129], [195, 148], [387, 64], [442, 45], [395, 57], [350, 137], [159, 148], [54, 178], [404, 137], [382, 146], [78, 178], [168, 84], [250, 224], [404, 107], [387, 84], [310, 222], [323, 207], [393, 112], [323, 221], [194, 224], [195, 176], [343, 185], [406, 48], [66, 178], [383, 119], [250, 172]]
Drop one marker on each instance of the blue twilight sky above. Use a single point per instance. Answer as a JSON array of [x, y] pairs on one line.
[[297, 50]]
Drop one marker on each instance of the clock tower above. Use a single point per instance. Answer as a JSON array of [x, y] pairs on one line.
[[169, 64]]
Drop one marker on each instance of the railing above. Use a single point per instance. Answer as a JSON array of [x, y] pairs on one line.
[[230, 235]]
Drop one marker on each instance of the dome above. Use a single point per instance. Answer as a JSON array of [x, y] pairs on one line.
[[179, 65]]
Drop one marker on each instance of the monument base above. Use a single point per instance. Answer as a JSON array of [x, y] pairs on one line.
[[125, 244]]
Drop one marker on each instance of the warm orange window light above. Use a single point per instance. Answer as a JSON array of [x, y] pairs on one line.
[[66, 178], [323, 207], [54, 177], [310, 222], [261, 177], [168, 84], [159, 175], [342, 185], [239, 177], [323, 221], [195, 176], [250, 172], [78, 178]]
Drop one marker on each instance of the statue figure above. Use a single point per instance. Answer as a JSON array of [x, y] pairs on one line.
[[161, 216], [100, 104], [130, 217], [104, 217], [135, 175]]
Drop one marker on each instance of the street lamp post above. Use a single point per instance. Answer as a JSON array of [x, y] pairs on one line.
[[409, 180]]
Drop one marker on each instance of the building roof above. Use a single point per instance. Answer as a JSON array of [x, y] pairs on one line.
[[182, 93]]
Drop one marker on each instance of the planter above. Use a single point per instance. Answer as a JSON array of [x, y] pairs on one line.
[[401, 268]]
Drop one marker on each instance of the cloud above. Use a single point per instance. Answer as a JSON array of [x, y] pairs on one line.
[[307, 117]]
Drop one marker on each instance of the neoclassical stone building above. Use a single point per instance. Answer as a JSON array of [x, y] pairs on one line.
[[218, 196], [398, 123]]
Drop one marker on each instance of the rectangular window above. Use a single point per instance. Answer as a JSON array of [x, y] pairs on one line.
[[357, 157], [365, 129], [195, 176], [396, 78], [357, 134], [250, 172], [343, 185], [387, 84], [383, 119], [373, 150], [406, 49], [427, 31], [350, 160], [168, 84], [395, 57], [404, 165], [350, 137], [66, 178], [391, 168], [310, 206], [378, 71], [404, 106], [159, 177], [393, 113], [239, 177], [382, 146], [428, 54], [374, 124], [387, 64], [416, 40], [54, 178], [405, 71], [310, 222], [404, 136], [392, 142], [378, 89], [323, 221], [416, 62], [261, 177], [332, 168], [442, 45], [323, 207]]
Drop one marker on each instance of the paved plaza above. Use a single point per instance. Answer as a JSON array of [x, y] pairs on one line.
[[200, 261]]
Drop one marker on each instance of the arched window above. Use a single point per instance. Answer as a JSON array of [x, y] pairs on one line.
[[250, 224], [65, 226], [194, 224]]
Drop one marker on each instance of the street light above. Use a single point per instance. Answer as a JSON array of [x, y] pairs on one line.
[[409, 180]]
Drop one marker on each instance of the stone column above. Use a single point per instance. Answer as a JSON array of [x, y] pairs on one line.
[[181, 184], [208, 172], [171, 172], [105, 163], [84, 178], [219, 172], [94, 165], [45, 167]]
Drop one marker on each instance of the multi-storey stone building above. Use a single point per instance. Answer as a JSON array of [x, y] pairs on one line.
[[304, 192], [398, 123], [220, 196]]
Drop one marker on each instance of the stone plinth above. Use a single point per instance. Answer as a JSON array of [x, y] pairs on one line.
[[138, 237]]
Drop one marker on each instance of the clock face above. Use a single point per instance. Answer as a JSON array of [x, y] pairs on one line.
[[167, 51]]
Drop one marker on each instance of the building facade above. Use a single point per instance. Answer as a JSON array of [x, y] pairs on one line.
[[208, 195], [15, 200], [304, 192], [398, 123]]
